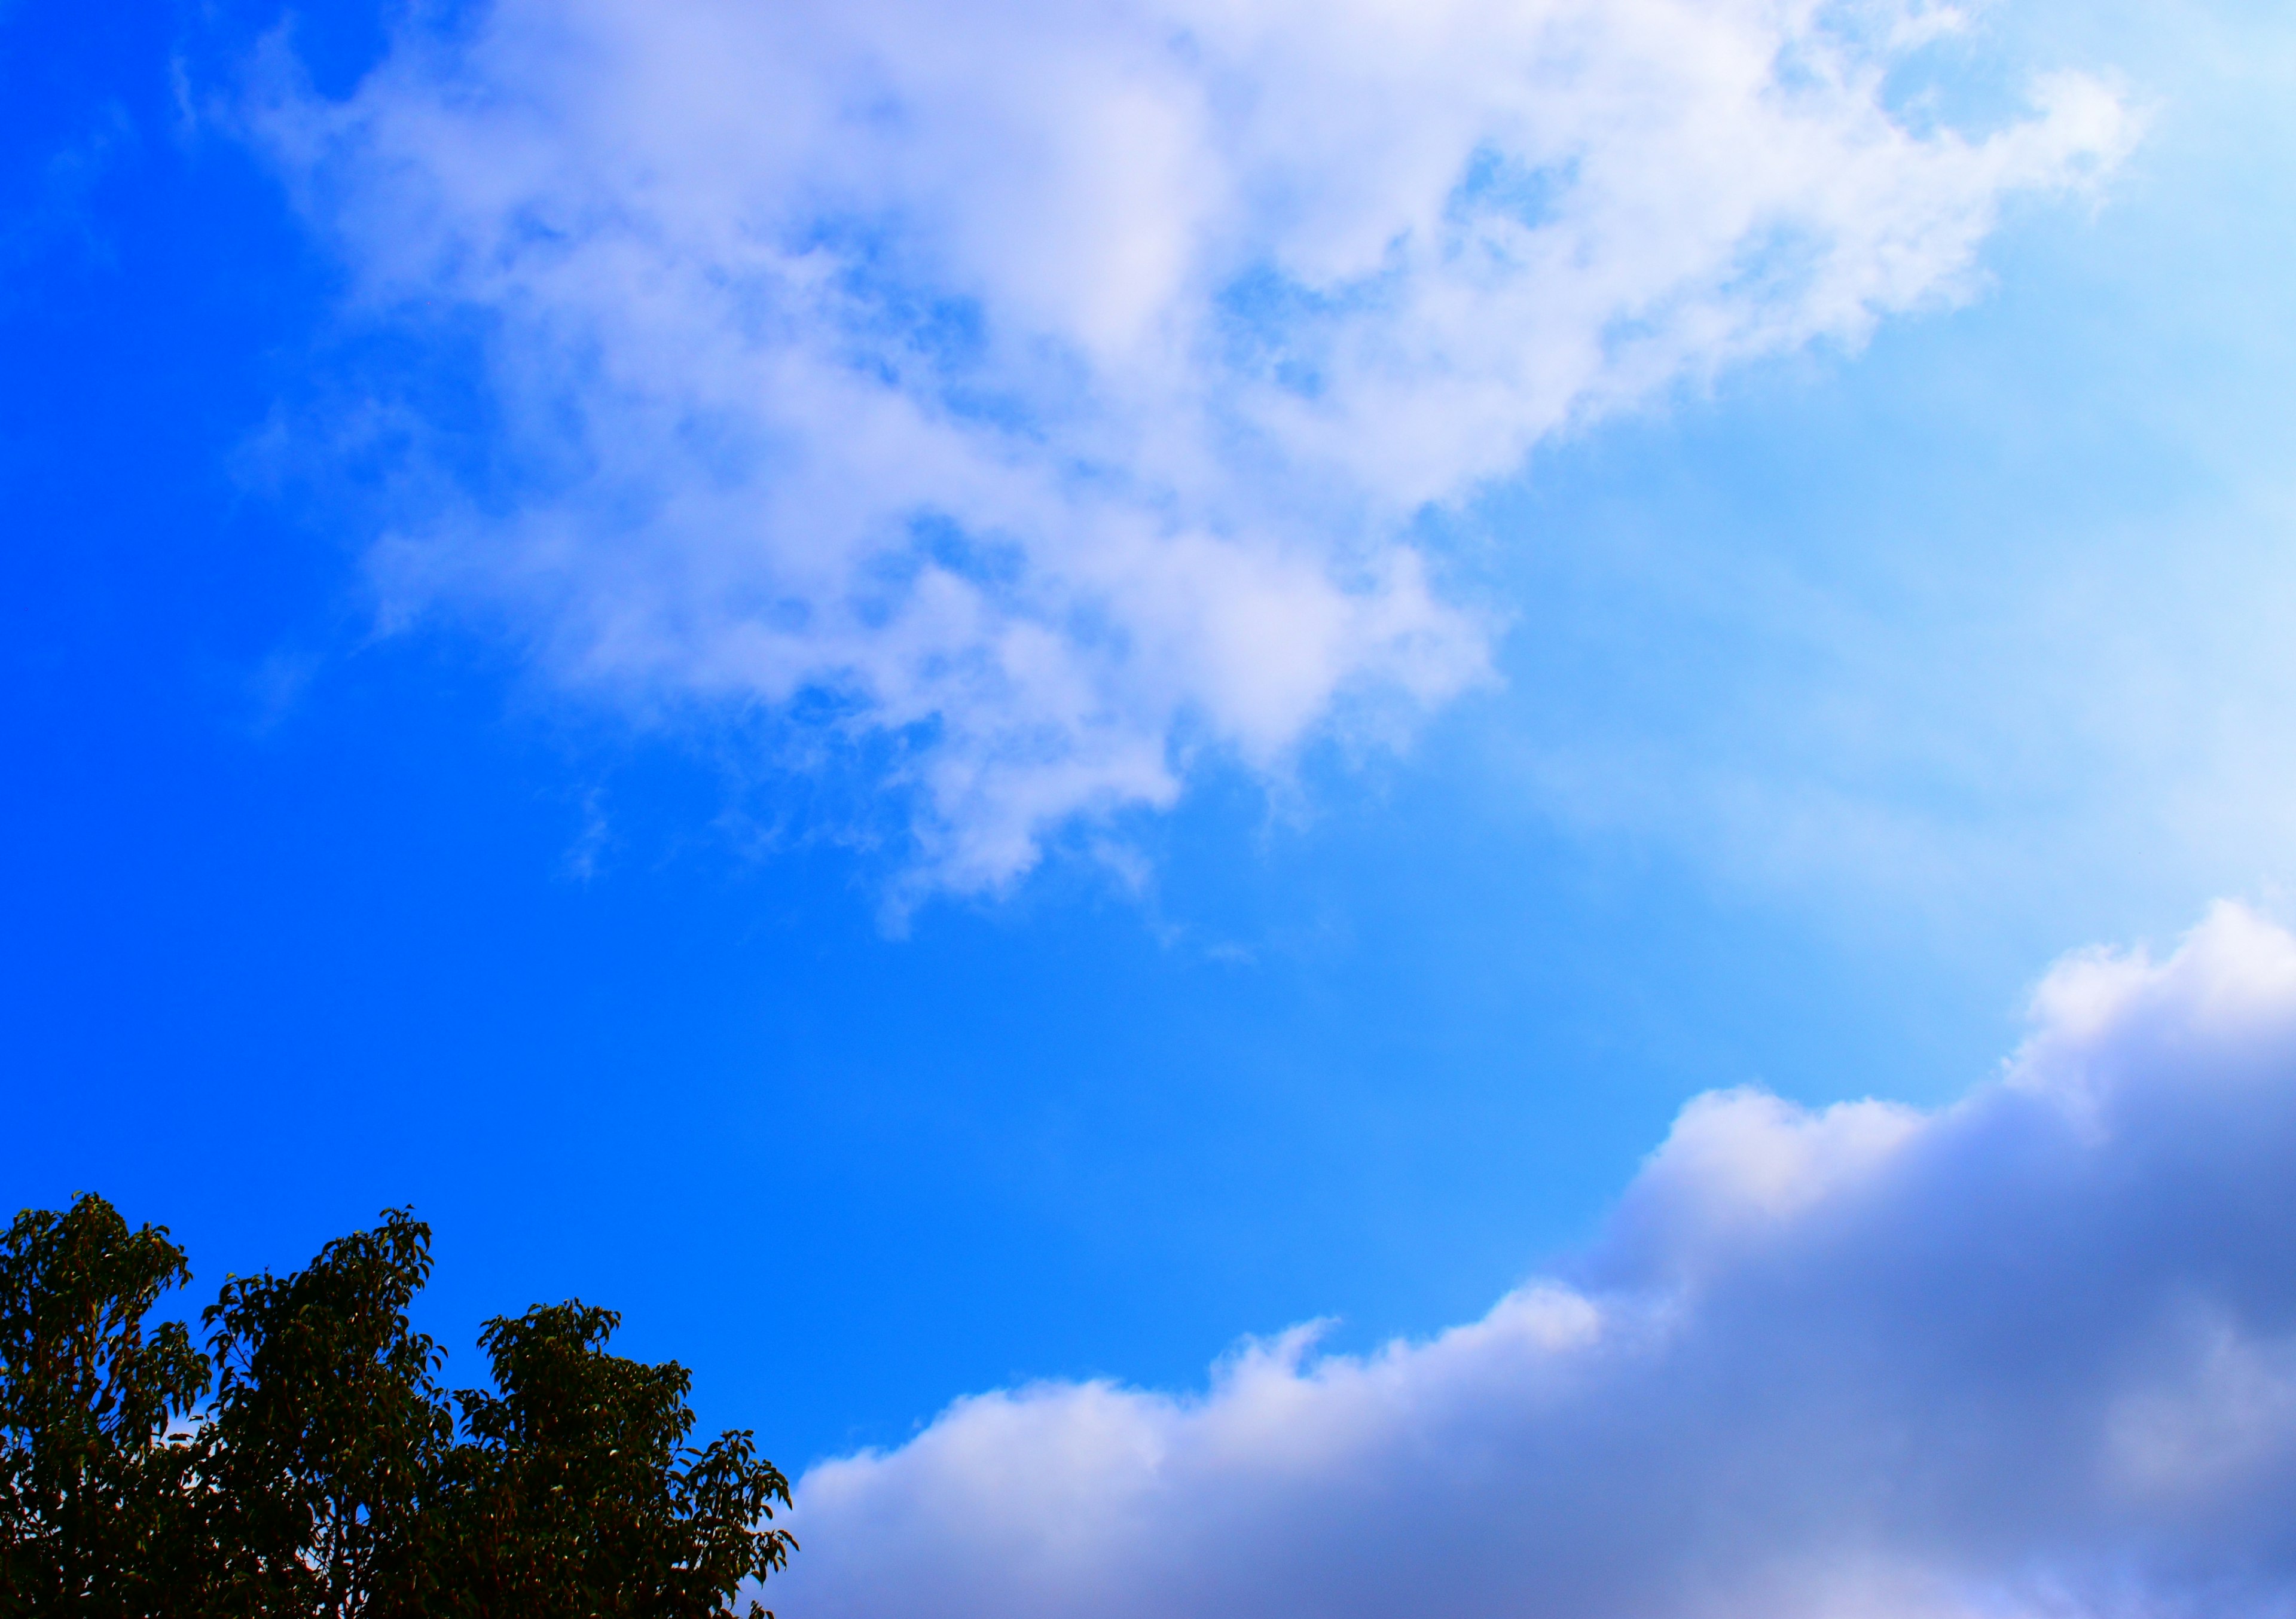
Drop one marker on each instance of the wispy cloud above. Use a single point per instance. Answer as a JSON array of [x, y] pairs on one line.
[[1043, 394], [2033, 1353]]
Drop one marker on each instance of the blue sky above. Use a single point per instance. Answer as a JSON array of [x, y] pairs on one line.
[[483, 732]]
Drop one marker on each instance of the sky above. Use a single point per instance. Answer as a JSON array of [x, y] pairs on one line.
[[1465, 808]]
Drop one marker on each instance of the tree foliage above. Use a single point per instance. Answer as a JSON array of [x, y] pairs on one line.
[[310, 1463], [577, 1493], [89, 1485], [328, 1436]]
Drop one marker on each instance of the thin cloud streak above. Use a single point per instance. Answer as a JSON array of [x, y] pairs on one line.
[[2032, 1353], [1042, 395]]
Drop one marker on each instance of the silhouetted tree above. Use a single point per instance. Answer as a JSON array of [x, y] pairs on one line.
[[91, 1490], [326, 1476], [578, 1494], [328, 1438]]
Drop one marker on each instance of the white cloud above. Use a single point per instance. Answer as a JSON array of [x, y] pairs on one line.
[[1051, 388], [2033, 1353]]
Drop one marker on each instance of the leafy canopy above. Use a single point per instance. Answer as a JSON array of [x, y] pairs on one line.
[[310, 1464]]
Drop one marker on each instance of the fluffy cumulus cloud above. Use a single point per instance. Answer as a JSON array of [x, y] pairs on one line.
[[2031, 1354], [1036, 394]]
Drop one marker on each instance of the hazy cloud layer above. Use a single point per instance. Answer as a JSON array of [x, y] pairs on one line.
[[2031, 1354], [1038, 393]]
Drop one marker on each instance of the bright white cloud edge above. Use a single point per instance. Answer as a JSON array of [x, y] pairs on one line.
[[1034, 395], [2033, 1353]]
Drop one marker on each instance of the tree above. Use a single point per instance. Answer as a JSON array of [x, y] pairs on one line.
[[329, 1437], [328, 1474], [90, 1486], [578, 1494]]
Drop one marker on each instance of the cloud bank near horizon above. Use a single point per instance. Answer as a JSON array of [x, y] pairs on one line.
[[1031, 397], [2030, 1354]]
